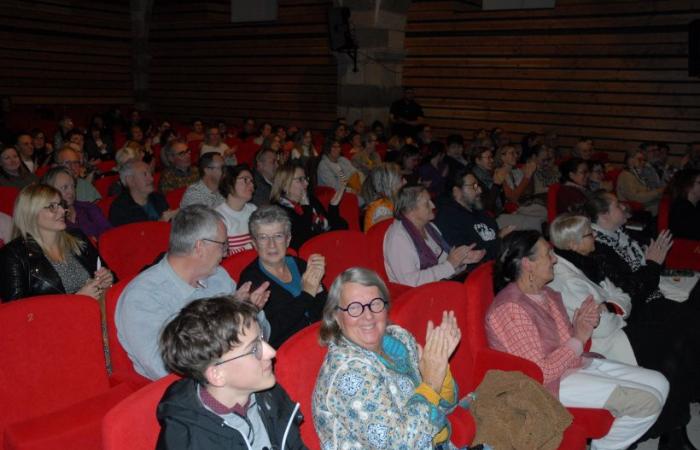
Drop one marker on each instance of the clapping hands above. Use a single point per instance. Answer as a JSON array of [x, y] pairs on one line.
[[315, 269], [440, 343], [258, 297], [658, 248]]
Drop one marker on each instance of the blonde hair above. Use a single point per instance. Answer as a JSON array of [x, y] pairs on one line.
[[31, 200], [126, 154], [282, 181], [383, 181]]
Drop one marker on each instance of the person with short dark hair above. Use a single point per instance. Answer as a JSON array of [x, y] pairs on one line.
[[179, 172], [573, 192], [228, 398], [406, 114], [265, 167], [237, 188], [206, 190]]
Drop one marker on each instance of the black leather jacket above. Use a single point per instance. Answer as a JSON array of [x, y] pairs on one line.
[[26, 272]]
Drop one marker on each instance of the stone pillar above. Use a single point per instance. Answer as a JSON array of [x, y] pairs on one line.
[[140, 56], [379, 29]]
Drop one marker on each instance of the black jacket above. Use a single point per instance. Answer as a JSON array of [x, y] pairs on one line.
[[286, 314], [27, 272], [125, 210], [303, 227], [187, 425], [459, 226]]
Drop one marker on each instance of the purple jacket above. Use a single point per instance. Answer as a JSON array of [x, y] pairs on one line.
[[89, 219]]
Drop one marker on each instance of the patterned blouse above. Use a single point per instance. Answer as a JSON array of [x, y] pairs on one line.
[[364, 401]]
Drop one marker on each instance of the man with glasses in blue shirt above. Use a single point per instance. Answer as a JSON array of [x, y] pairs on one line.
[[189, 271]]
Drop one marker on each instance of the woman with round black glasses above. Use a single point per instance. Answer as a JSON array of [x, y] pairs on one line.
[[375, 388]]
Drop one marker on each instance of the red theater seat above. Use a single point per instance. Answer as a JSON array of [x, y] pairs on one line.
[[52, 366], [129, 248], [8, 195], [349, 207], [342, 249]]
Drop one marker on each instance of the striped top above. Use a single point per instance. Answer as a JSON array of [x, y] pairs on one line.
[[239, 238]]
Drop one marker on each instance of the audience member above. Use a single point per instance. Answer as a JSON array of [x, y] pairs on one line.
[[44, 258], [366, 156], [98, 146], [237, 188], [61, 138], [137, 201], [248, 130], [335, 170], [296, 293], [684, 215], [85, 216], [583, 149], [206, 190], [658, 347], [70, 159], [454, 157], [25, 149], [189, 271], [573, 192], [42, 150], [5, 229], [214, 143], [433, 171], [304, 150], [596, 178], [406, 114], [264, 132], [462, 220], [547, 172], [309, 218], [265, 168], [12, 172], [648, 172], [197, 131], [228, 398], [408, 160], [631, 186], [415, 252], [527, 319], [377, 388], [379, 193], [179, 172]]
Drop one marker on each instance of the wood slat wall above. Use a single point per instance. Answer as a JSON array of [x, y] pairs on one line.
[[65, 52], [205, 66], [613, 70]]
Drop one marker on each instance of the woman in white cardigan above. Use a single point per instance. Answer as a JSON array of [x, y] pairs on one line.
[[577, 276], [572, 236]]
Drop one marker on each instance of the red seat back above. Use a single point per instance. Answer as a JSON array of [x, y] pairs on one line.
[[552, 193], [479, 287], [299, 360], [128, 248], [195, 147], [132, 423], [122, 367], [8, 195], [375, 247], [349, 207], [662, 221], [246, 153], [106, 166], [156, 180], [174, 197], [235, 264], [105, 203], [103, 184], [51, 355], [412, 311], [342, 249]]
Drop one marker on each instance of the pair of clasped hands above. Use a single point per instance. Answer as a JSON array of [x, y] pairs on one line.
[[440, 343]]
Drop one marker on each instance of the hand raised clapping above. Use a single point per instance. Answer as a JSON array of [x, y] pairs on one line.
[[258, 297], [440, 343], [658, 248], [315, 269]]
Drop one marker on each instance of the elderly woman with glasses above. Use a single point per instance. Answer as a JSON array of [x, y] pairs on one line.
[[44, 258], [527, 319], [297, 296], [622, 336], [376, 389], [415, 252], [290, 190], [237, 188]]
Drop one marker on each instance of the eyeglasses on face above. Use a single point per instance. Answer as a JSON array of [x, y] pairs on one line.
[[277, 238], [356, 309], [223, 244], [256, 351], [474, 185], [245, 180], [54, 206]]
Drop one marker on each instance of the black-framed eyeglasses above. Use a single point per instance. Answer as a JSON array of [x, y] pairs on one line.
[[223, 244], [256, 351], [356, 309], [53, 206]]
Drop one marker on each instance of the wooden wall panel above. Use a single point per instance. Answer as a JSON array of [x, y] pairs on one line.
[[205, 66], [614, 70], [60, 52]]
